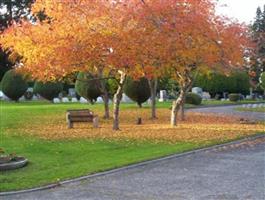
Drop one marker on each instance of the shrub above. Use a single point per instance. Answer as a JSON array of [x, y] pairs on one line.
[[217, 83], [234, 97], [87, 89], [13, 85], [192, 98], [48, 90], [137, 90]]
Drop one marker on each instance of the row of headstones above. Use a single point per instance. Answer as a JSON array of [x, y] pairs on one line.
[[205, 95], [260, 105], [125, 99]]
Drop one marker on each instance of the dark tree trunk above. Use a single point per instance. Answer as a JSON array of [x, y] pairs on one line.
[[105, 98], [153, 88]]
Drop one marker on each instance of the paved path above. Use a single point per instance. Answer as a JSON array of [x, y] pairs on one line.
[[230, 110], [228, 173]]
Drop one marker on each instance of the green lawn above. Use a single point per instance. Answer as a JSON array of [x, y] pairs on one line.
[[54, 160], [252, 109], [218, 102]]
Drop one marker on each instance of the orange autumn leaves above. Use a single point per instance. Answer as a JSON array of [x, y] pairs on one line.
[[197, 128], [140, 37]]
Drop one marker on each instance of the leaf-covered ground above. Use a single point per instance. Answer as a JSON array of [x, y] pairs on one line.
[[196, 127]]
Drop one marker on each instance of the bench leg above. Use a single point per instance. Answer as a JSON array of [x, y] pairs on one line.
[[70, 124], [95, 122]]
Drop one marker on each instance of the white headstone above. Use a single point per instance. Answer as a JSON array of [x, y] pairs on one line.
[[248, 97], [197, 90], [254, 106], [126, 99], [1, 94], [30, 89], [100, 100], [162, 95], [223, 99], [22, 98], [83, 100], [35, 97], [71, 92], [206, 96], [74, 100], [56, 100], [260, 105], [65, 100], [244, 106]]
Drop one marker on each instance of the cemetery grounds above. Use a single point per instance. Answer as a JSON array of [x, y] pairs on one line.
[[38, 131]]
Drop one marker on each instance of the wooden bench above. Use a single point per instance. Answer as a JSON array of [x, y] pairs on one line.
[[84, 115]]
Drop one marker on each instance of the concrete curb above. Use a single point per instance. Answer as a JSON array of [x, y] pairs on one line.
[[125, 168]]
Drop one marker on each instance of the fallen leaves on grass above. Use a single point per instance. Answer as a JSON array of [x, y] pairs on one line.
[[196, 128]]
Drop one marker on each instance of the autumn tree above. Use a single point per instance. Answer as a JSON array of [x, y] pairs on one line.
[[127, 38], [195, 39], [89, 36]]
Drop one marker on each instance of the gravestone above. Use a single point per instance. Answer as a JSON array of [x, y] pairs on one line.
[[248, 97], [30, 89], [22, 98], [56, 100], [254, 106], [83, 100], [126, 99], [100, 100], [162, 95], [4, 97], [65, 100], [74, 100], [206, 96], [35, 97], [71, 92], [1, 94]]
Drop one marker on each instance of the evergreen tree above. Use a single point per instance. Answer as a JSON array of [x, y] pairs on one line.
[[258, 59]]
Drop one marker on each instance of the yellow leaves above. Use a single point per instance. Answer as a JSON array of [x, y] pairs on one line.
[[197, 128]]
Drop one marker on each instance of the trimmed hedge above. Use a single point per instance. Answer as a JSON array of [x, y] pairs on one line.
[[13, 85], [217, 83], [48, 90], [234, 97], [192, 98], [87, 89], [137, 90]]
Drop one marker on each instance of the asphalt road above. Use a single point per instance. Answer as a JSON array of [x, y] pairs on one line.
[[230, 110], [228, 173]]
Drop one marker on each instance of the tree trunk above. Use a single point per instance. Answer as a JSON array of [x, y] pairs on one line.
[[153, 88], [176, 106], [116, 102], [105, 98], [189, 83], [105, 94], [182, 109]]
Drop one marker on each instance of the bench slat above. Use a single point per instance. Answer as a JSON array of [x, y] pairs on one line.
[[78, 119], [80, 115]]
